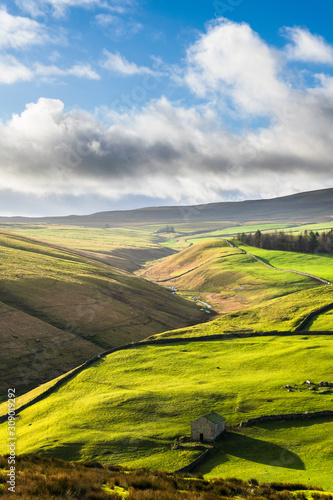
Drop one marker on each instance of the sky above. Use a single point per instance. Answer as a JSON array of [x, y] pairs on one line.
[[122, 104]]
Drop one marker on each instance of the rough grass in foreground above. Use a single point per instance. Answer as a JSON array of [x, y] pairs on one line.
[[46, 479], [130, 407]]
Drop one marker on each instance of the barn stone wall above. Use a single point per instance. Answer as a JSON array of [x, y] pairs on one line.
[[209, 430]]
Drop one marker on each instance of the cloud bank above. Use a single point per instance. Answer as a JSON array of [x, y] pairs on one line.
[[185, 154]]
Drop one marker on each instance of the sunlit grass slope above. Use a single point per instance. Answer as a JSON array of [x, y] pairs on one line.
[[280, 314], [84, 238], [296, 450], [226, 278], [129, 407], [322, 322], [123, 248], [318, 264], [30, 395], [74, 293], [58, 309]]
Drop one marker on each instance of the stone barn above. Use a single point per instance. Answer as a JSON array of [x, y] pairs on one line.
[[208, 427]]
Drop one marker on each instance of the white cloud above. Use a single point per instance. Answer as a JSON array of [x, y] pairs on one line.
[[78, 70], [119, 64], [12, 71], [59, 7], [19, 32], [234, 63], [307, 47], [179, 153], [116, 27], [106, 19]]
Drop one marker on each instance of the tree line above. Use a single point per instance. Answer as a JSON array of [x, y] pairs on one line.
[[307, 242]]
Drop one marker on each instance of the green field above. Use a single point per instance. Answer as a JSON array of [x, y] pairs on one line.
[[280, 314], [264, 228], [234, 230], [317, 264], [130, 407], [84, 238], [322, 322], [282, 450]]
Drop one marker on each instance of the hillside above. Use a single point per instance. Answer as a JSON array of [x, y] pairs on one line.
[[131, 407], [282, 314], [224, 277], [310, 206], [59, 308]]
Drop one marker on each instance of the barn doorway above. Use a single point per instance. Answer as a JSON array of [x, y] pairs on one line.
[[201, 437]]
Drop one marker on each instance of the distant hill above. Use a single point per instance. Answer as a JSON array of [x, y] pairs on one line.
[[309, 206]]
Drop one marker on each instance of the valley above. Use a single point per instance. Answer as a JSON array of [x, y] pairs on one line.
[[196, 322]]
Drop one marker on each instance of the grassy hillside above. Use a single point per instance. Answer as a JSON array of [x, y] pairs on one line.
[[33, 351], [280, 314], [318, 264], [59, 308], [224, 277], [322, 322], [264, 228], [30, 395], [298, 450], [130, 407], [122, 248]]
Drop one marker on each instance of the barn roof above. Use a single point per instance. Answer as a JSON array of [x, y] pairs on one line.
[[214, 417]]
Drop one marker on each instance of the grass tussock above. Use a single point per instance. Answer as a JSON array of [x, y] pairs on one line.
[[49, 478]]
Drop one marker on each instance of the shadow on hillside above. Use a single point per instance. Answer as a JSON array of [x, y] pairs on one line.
[[288, 424], [131, 259], [63, 451], [253, 450]]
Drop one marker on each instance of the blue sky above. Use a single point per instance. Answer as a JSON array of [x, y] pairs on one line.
[[109, 104]]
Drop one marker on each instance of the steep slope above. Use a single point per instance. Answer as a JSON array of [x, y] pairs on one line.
[[63, 298], [33, 351]]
